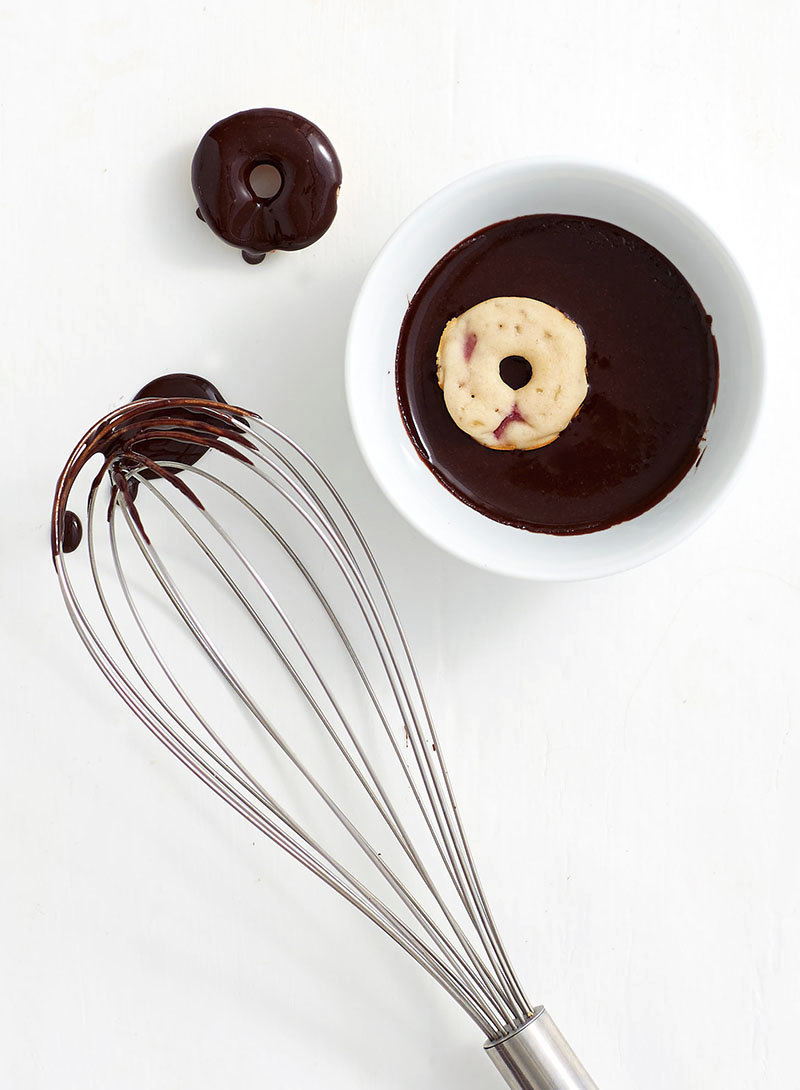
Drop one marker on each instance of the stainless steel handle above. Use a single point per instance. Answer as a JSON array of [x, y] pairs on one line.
[[536, 1057]]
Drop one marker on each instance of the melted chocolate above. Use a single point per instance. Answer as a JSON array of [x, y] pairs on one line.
[[303, 208], [163, 424], [160, 448], [651, 364]]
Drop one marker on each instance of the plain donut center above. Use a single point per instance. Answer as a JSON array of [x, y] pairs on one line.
[[265, 180], [515, 371]]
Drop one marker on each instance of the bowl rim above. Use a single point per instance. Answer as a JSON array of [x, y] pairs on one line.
[[661, 543]]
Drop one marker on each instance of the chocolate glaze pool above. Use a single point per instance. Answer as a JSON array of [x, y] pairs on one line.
[[651, 364]]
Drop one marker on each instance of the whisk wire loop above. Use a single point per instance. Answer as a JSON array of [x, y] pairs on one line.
[[333, 874], [221, 664], [450, 826], [483, 983]]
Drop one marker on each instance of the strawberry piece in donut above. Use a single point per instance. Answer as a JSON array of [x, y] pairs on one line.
[[513, 372]]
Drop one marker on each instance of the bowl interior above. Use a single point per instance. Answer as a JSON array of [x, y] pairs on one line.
[[525, 188]]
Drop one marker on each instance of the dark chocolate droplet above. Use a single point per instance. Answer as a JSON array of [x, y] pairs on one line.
[[253, 259], [161, 448], [73, 532], [199, 215], [180, 385]]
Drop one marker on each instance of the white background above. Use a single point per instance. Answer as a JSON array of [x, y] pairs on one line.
[[626, 752]]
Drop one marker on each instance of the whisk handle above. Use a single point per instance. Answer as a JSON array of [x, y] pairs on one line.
[[536, 1057]]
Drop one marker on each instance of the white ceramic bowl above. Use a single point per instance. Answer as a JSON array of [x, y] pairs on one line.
[[523, 188]]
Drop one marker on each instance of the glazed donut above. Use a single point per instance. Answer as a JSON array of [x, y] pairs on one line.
[[513, 372], [304, 206]]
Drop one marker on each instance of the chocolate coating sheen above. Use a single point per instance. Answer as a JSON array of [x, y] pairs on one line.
[[303, 208], [651, 364]]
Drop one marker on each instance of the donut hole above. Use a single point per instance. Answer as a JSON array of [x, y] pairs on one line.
[[265, 180], [515, 371]]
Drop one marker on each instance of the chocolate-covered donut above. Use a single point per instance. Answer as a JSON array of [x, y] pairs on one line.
[[304, 206]]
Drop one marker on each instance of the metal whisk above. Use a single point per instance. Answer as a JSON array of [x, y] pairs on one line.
[[215, 595]]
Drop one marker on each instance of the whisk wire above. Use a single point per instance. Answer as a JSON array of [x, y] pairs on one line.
[[475, 901], [180, 603], [487, 990], [346, 885], [354, 571]]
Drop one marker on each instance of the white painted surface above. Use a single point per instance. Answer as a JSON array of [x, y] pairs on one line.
[[626, 752]]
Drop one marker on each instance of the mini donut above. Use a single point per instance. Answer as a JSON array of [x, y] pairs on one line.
[[493, 407], [304, 206]]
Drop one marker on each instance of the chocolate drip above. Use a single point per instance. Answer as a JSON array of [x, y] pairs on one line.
[[72, 534]]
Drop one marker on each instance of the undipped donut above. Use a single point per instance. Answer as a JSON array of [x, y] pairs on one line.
[[303, 208], [489, 405]]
